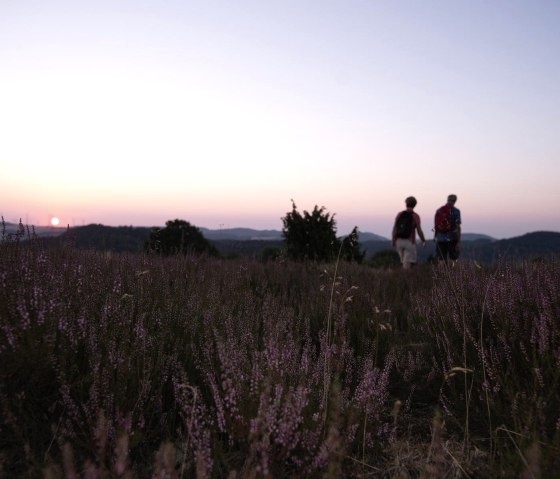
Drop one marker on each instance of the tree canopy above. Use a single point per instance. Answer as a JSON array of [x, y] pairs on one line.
[[312, 236], [179, 237], [351, 247]]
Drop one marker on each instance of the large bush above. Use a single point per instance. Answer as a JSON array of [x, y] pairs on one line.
[[179, 237], [310, 236]]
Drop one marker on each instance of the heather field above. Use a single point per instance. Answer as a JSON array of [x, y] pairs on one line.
[[141, 366]]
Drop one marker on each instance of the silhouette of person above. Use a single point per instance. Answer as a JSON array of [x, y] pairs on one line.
[[407, 223], [447, 228]]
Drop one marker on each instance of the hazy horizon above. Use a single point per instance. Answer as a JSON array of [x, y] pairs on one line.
[[135, 113], [429, 233]]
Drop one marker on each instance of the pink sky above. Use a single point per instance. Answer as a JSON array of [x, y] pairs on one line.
[[136, 113]]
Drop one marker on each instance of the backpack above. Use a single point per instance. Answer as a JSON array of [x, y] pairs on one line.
[[444, 219], [404, 225]]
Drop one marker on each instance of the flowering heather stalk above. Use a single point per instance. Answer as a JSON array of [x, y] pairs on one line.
[[513, 354]]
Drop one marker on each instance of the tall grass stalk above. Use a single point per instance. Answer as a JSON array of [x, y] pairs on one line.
[[509, 433], [453, 274], [483, 353], [327, 369]]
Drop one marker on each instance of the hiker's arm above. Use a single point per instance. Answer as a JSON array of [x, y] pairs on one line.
[[394, 235], [458, 233], [421, 234]]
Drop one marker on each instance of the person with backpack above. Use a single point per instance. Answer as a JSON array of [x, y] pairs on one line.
[[447, 228], [407, 223]]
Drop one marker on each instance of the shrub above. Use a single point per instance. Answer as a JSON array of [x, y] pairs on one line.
[[179, 237], [310, 236]]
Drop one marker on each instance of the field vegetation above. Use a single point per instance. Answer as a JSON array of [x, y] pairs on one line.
[[136, 365]]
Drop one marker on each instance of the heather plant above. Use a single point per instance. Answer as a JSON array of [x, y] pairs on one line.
[[220, 360], [495, 353], [116, 365]]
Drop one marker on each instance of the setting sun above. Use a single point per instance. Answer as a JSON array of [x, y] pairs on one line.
[[55, 221]]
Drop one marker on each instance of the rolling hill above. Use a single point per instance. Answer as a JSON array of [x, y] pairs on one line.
[[539, 244], [247, 242]]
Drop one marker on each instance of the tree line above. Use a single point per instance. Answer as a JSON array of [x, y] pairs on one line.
[[307, 236]]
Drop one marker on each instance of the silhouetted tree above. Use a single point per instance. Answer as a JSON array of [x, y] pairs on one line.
[[310, 236], [351, 247], [179, 236]]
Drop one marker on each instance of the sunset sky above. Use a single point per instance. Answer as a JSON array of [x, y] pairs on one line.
[[129, 112]]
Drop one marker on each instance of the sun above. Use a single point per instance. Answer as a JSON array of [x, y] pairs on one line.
[[55, 221]]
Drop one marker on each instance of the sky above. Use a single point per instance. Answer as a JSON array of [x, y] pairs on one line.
[[221, 113]]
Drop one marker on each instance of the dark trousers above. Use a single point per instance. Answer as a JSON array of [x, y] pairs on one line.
[[447, 250]]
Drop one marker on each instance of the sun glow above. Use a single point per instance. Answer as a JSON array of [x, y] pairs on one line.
[[55, 221]]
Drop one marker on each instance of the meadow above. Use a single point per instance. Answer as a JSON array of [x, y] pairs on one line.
[[120, 365]]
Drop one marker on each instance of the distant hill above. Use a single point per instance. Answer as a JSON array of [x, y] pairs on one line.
[[250, 242], [539, 244], [42, 231], [239, 234], [476, 237], [118, 239], [242, 234], [371, 237]]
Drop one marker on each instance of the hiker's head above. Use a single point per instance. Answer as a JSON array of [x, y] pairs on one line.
[[451, 199], [410, 202]]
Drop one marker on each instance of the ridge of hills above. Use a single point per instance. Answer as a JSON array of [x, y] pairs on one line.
[[534, 245], [253, 234], [247, 242], [240, 234]]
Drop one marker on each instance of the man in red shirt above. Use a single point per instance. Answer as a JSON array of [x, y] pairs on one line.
[[407, 223], [448, 230]]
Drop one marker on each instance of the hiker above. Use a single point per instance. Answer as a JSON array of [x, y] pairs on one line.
[[447, 228], [407, 223]]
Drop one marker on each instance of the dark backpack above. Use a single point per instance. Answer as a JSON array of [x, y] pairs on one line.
[[404, 225], [444, 219]]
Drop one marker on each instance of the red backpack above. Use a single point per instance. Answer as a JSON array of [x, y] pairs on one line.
[[444, 219]]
